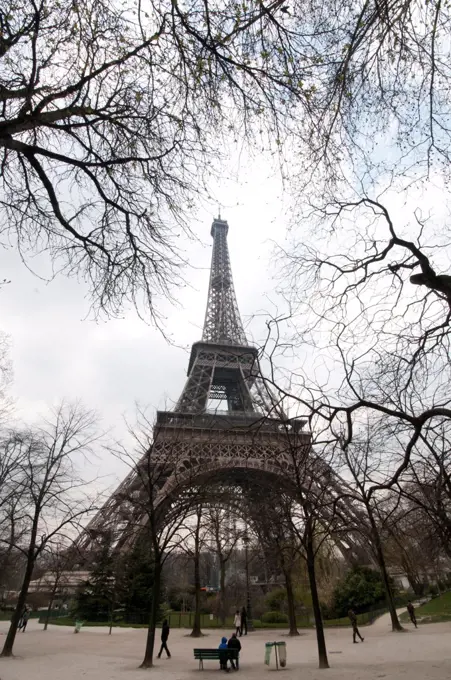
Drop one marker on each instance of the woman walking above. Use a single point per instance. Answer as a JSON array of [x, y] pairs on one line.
[[237, 622]]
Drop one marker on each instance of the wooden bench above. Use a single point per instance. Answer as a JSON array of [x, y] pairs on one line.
[[222, 655]]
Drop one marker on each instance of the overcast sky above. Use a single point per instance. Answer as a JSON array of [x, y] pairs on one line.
[[58, 352]]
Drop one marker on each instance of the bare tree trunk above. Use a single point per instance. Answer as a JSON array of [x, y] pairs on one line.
[[291, 607], [396, 626], [222, 593], [11, 635], [322, 651], [150, 642], [113, 604], [49, 608], [196, 632]]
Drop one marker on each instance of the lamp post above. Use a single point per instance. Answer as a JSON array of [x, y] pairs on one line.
[[250, 624]]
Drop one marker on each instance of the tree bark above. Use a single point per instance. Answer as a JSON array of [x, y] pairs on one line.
[[222, 593], [322, 651], [196, 632], [291, 607], [395, 624], [31, 556], [49, 608], [150, 642]]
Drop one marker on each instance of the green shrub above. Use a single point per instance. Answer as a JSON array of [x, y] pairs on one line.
[[362, 589], [274, 617], [276, 599]]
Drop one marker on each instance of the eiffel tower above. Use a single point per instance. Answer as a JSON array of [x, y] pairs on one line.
[[225, 428]]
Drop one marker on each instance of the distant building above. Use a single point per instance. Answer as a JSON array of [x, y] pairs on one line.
[[69, 582]]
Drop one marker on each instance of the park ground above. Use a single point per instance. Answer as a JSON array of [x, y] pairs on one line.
[[59, 654]]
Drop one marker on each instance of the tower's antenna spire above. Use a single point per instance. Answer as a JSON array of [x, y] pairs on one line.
[[219, 212], [222, 320]]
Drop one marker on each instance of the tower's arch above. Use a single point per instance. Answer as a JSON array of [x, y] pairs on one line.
[[226, 425]]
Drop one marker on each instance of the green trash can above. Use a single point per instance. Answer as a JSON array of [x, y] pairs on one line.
[[268, 650], [78, 625]]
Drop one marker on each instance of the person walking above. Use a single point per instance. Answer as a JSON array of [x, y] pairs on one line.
[[411, 610], [25, 617], [164, 639], [234, 643], [355, 631], [237, 621], [223, 647], [243, 621]]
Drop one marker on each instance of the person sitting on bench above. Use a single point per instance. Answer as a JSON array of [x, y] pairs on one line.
[[223, 656], [234, 643]]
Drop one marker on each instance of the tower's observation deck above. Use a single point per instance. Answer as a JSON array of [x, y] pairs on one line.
[[223, 371]]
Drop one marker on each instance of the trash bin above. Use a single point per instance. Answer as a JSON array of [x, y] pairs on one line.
[[78, 625], [268, 650], [281, 650]]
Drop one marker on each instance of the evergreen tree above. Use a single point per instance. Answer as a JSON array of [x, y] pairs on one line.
[[361, 590], [95, 600], [137, 582]]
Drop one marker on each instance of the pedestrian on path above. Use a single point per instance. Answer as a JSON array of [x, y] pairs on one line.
[[24, 619], [411, 610], [237, 622], [164, 639], [355, 631], [243, 622]]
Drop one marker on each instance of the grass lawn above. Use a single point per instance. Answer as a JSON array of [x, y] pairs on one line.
[[434, 611], [177, 620]]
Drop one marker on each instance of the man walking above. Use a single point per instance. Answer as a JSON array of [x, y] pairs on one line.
[[411, 610], [355, 631], [164, 639], [24, 619]]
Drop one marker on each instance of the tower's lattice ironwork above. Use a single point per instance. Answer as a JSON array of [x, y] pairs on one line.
[[223, 373], [226, 425], [222, 319]]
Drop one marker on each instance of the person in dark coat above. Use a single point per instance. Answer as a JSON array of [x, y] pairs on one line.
[[243, 621], [355, 631], [411, 610], [24, 619], [234, 643], [164, 639], [223, 656]]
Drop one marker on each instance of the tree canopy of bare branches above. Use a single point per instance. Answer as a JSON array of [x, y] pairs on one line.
[[112, 116], [43, 499]]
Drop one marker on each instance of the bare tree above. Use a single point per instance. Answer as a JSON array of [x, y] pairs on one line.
[[274, 535], [225, 535], [58, 562], [192, 547], [308, 509], [428, 483], [380, 329], [52, 502], [150, 511], [367, 460], [112, 119]]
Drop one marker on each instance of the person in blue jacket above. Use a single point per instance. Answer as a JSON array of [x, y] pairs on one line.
[[223, 657]]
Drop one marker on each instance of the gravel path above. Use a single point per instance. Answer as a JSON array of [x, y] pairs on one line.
[[58, 654]]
